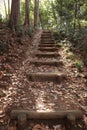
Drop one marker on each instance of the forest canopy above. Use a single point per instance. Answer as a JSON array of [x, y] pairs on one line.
[[65, 16], [53, 13]]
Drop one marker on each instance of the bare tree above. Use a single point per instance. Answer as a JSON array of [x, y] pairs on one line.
[[8, 9], [36, 13], [5, 9], [15, 14], [27, 13]]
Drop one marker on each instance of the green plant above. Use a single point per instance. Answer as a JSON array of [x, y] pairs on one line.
[[0, 18], [60, 45], [78, 64], [71, 56]]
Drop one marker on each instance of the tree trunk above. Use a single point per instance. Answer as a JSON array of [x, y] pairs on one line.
[[15, 14], [79, 24], [75, 15], [36, 14], [27, 11], [8, 9], [41, 20], [5, 9]]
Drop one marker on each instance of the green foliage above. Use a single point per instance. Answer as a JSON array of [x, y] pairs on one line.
[[67, 17], [0, 17], [78, 65], [70, 56]]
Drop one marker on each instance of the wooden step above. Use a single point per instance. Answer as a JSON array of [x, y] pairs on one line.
[[49, 49], [51, 63], [46, 37], [42, 77], [51, 54], [47, 42], [66, 114], [47, 45], [46, 33]]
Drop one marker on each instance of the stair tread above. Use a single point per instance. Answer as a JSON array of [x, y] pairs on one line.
[[51, 63], [44, 76]]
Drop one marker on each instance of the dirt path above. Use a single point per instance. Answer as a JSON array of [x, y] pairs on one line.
[[39, 96], [27, 93]]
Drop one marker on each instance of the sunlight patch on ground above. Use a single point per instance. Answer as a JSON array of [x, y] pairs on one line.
[[15, 80], [41, 103]]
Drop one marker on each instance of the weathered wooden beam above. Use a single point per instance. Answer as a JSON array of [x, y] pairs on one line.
[[49, 54], [47, 41], [46, 115], [49, 49], [48, 45], [46, 36], [51, 63], [41, 77], [22, 121]]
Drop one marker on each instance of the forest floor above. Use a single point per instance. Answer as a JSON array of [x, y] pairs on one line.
[[17, 92]]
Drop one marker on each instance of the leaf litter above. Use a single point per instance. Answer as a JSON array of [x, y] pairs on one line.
[[48, 96]]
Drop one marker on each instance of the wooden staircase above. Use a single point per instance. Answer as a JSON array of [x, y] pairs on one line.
[[47, 48]]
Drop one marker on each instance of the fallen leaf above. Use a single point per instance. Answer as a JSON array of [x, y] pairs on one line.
[[38, 127], [12, 128]]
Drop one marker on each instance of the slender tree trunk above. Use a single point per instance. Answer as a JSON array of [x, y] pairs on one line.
[[36, 13], [75, 15], [8, 9], [79, 25], [27, 13], [41, 20], [15, 14], [5, 9], [60, 7]]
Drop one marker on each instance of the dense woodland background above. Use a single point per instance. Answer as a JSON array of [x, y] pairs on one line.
[[68, 19]]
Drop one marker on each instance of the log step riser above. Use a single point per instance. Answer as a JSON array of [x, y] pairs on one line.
[[39, 63], [47, 45], [47, 42], [46, 115], [48, 50], [42, 77], [47, 55], [23, 117]]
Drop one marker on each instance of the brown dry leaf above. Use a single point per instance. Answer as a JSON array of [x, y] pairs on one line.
[[85, 119], [1, 76], [9, 66], [12, 128], [38, 127]]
